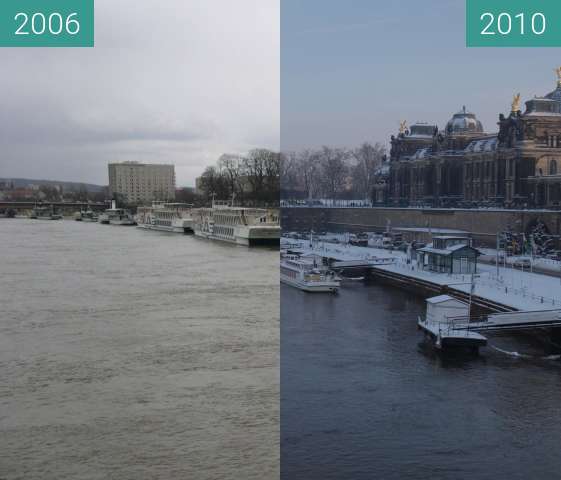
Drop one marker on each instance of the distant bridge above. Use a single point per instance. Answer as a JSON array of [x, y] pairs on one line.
[[6, 204]]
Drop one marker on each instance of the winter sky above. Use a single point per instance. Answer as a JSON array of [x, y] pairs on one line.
[[177, 81], [351, 70]]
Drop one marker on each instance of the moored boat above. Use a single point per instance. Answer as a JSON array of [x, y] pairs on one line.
[[45, 213], [239, 225], [447, 324], [305, 275], [167, 217], [117, 216], [86, 216]]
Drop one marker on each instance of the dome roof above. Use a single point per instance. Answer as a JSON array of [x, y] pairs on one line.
[[556, 94], [542, 106], [464, 122]]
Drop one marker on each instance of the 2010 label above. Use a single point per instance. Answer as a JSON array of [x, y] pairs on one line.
[[503, 23], [513, 23]]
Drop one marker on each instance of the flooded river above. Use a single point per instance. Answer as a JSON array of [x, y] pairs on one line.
[[130, 354]]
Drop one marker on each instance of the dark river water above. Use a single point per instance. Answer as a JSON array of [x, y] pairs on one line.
[[363, 397], [129, 354]]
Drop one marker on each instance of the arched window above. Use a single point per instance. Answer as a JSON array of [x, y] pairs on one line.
[[553, 167]]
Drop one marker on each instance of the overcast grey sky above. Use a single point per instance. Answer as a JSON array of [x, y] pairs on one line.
[[178, 81]]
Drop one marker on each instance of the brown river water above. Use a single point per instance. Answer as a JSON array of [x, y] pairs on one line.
[[130, 354]]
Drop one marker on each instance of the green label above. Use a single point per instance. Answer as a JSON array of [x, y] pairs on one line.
[[513, 23], [46, 23]]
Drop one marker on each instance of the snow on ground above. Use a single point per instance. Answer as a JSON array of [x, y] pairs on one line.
[[520, 290], [546, 264], [512, 287], [341, 251]]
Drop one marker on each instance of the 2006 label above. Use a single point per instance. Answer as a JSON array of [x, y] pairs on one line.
[[54, 24], [47, 23]]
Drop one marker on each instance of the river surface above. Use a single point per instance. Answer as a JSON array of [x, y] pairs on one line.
[[363, 397], [130, 354]]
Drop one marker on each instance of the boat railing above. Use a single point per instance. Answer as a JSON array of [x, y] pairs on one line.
[[457, 324]]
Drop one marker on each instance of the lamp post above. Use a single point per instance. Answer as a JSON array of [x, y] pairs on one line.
[[497, 255], [471, 293]]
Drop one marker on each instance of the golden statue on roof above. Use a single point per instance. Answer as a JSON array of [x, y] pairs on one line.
[[402, 126], [558, 72], [515, 103]]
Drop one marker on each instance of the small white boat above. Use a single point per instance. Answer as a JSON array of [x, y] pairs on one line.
[[45, 213], [305, 275], [86, 216], [117, 216]]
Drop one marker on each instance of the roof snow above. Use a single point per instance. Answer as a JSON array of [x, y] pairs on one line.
[[442, 298], [483, 145]]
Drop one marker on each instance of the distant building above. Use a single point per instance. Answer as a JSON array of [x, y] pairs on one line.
[[142, 182], [462, 166]]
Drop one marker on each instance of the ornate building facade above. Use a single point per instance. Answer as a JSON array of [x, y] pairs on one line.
[[462, 166]]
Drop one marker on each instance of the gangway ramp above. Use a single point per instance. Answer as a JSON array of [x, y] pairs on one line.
[[511, 321]]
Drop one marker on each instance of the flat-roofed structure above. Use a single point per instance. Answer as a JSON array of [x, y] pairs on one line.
[[142, 183], [449, 254]]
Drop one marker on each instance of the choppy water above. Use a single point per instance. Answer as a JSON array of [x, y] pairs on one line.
[[128, 354], [363, 398]]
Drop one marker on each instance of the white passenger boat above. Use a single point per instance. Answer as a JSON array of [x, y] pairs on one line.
[[86, 216], [45, 213], [305, 275], [243, 226], [117, 216], [168, 217]]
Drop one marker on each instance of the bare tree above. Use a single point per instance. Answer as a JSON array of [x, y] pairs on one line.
[[254, 165], [309, 170], [232, 167], [272, 178], [262, 168], [334, 170], [252, 180], [369, 158], [214, 184], [288, 172]]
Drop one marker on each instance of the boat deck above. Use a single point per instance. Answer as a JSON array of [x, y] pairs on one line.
[[445, 335]]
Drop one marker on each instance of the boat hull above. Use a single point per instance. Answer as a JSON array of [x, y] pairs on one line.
[[122, 222], [51, 217], [165, 228], [315, 287], [248, 236]]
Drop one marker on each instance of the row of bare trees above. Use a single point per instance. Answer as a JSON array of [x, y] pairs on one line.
[[253, 179], [331, 172]]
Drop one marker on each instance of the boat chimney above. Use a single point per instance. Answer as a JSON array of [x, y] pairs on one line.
[[113, 204]]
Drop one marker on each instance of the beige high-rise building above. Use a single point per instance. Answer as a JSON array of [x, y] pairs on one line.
[[142, 182]]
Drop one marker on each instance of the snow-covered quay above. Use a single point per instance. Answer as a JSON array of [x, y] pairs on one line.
[[508, 286]]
